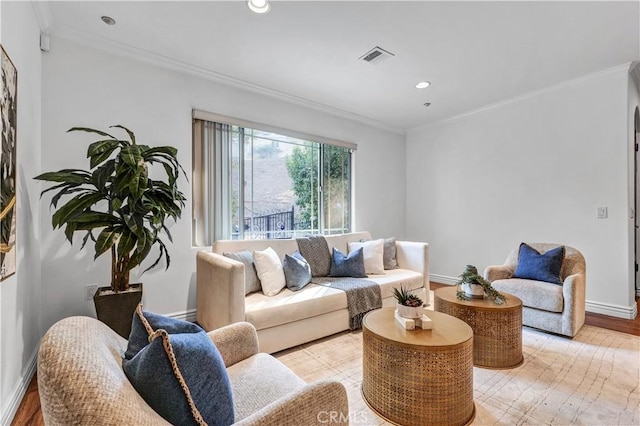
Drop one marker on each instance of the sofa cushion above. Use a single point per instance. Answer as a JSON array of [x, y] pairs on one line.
[[373, 255], [313, 300], [534, 294], [288, 306], [251, 395], [269, 269], [251, 280], [533, 265], [351, 265], [316, 251], [181, 375], [411, 280], [389, 253], [297, 272]]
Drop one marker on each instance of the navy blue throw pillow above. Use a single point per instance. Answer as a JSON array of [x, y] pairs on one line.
[[348, 266], [178, 371], [540, 267], [297, 271]]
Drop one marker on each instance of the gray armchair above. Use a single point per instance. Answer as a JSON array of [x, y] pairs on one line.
[[556, 308], [81, 381]]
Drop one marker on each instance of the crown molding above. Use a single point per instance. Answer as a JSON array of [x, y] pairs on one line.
[[527, 95], [43, 13], [131, 52]]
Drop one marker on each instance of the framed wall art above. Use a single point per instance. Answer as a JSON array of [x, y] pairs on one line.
[[8, 187]]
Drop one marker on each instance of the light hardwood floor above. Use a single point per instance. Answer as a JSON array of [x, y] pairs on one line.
[[29, 413]]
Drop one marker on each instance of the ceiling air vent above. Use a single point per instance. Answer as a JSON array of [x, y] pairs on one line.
[[376, 55]]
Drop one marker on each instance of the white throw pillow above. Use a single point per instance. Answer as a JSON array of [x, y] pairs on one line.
[[270, 272], [373, 255]]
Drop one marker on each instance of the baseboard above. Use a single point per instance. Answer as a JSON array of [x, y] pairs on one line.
[[188, 315], [625, 312], [20, 390], [443, 279]]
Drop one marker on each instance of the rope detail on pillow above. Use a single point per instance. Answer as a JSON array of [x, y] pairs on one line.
[[144, 321], [166, 343]]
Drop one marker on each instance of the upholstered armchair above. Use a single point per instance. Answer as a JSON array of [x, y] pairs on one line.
[[551, 307], [81, 381]]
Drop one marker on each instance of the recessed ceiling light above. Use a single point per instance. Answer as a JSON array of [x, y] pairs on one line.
[[423, 85], [259, 6], [426, 104], [108, 20]]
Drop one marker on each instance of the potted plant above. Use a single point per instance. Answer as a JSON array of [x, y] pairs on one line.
[[409, 305], [472, 285], [122, 210]]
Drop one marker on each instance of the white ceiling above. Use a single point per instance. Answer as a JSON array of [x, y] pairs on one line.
[[474, 53]]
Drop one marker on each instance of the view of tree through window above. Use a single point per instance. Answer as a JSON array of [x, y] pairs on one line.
[[282, 187]]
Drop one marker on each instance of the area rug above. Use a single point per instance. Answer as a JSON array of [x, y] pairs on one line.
[[592, 379]]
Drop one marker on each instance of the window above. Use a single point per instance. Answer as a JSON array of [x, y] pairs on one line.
[[255, 182]]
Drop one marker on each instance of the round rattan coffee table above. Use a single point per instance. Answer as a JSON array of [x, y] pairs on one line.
[[497, 329], [418, 377]]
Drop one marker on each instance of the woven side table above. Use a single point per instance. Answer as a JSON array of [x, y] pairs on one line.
[[497, 329], [418, 377]]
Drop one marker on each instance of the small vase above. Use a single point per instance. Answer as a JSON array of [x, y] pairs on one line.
[[409, 311], [475, 291]]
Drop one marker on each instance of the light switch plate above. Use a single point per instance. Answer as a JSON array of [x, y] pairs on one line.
[[602, 213]]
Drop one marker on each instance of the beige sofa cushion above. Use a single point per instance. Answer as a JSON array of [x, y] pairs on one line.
[[395, 278], [534, 294], [289, 306], [313, 300]]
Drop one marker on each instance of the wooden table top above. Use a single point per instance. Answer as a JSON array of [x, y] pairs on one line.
[[447, 330], [448, 294]]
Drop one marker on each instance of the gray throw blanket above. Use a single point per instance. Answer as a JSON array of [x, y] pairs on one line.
[[362, 296]]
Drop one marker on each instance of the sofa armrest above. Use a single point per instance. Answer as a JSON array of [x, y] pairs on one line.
[[318, 403], [236, 342], [415, 257], [574, 294], [219, 290], [497, 272]]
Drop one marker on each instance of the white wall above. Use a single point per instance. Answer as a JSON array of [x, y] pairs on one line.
[[87, 87], [634, 103], [531, 169], [20, 302]]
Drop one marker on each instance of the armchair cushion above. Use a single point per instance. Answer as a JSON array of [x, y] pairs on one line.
[[181, 374], [533, 265], [251, 395], [534, 294]]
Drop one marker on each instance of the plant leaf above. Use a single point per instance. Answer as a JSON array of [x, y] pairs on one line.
[[105, 240]]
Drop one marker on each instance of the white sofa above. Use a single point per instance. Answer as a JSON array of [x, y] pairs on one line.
[[292, 318]]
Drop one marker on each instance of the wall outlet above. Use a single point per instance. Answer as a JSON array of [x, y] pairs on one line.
[[602, 213], [90, 291]]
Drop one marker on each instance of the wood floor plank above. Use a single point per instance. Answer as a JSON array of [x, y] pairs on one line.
[[29, 413]]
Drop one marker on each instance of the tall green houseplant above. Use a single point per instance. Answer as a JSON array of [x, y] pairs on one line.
[[116, 203]]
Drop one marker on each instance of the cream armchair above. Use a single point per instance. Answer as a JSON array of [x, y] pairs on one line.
[[556, 308], [81, 381]]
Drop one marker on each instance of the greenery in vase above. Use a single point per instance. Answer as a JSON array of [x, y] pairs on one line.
[[470, 276], [406, 298], [118, 200]]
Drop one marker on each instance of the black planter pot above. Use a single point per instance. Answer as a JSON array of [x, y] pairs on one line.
[[116, 309]]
